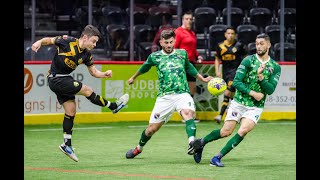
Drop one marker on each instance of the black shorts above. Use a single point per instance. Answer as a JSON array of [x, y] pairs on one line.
[[191, 78], [64, 87], [229, 80]]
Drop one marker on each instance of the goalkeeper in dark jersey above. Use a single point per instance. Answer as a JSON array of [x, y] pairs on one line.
[[257, 76], [70, 53], [173, 94]]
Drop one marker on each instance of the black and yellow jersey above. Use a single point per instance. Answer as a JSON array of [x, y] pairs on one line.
[[231, 56], [69, 55]]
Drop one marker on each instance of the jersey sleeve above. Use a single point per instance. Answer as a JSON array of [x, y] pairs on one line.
[[146, 66], [240, 75], [89, 60], [190, 69], [270, 86], [62, 41]]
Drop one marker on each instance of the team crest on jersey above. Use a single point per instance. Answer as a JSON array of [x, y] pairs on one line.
[[65, 36], [270, 69], [234, 50], [179, 57], [80, 61], [156, 115], [75, 84]]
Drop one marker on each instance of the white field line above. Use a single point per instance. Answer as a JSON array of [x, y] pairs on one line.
[[168, 125]]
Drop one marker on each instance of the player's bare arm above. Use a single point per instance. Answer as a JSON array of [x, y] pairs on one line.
[[256, 95], [131, 80], [44, 41], [201, 78], [99, 74], [216, 66]]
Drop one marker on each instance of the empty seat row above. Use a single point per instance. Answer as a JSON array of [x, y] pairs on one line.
[[289, 51], [261, 17], [247, 33]]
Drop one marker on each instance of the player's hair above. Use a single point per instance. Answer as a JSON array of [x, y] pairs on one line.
[[167, 33], [90, 30], [263, 36], [232, 28]]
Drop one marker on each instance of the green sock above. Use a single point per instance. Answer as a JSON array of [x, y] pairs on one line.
[[144, 139], [191, 128], [214, 135], [232, 143]]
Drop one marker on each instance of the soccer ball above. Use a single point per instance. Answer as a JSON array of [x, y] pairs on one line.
[[217, 86]]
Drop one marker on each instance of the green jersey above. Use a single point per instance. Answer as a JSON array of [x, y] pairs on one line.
[[171, 70], [246, 79]]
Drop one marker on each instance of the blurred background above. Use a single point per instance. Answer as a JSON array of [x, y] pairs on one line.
[[128, 27]]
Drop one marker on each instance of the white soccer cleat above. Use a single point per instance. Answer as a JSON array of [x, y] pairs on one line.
[[121, 102], [69, 151]]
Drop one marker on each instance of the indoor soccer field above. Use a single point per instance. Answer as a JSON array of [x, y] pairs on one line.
[[268, 152]]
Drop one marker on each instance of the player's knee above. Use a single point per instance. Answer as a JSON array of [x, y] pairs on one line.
[[86, 90], [225, 132], [151, 130], [243, 131], [187, 113]]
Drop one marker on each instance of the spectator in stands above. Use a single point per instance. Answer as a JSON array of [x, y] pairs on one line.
[[71, 53], [230, 52], [186, 39], [166, 24], [257, 76]]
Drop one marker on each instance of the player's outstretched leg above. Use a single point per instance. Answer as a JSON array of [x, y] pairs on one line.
[[68, 150], [216, 161], [198, 153], [133, 153], [121, 102], [194, 146]]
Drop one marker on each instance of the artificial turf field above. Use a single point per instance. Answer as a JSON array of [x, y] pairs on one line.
[[266, 153]]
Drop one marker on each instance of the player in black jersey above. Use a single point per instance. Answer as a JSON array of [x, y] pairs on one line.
[[230, 52], [70, 53]]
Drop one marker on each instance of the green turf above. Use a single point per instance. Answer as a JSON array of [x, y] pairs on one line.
[[268, 152]]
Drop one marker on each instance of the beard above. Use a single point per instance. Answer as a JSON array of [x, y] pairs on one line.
[[261, 53], [168, 50]]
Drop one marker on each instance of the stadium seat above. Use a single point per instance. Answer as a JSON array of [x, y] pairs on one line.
[[274, 32], [27, 53], [216, 36], [251, 48], [261, 17], [156, 15], [272, 5], [140, 15], [236, 16], [247, 33], [217, 5], [245, 5], [144, 50], [144, 35], [117, 37], [204, 17], [289, 18], [289, 52], [113, 15], [290, 4]]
